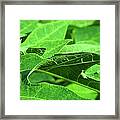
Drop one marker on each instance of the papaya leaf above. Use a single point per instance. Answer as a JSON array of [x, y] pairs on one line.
[[70, 66], [46, 91], [59, 79], [50, 31], [28, 61], [81, 23], [93, 72], [48, 54], [55, 49], [82, 91], [37, 77], [76, 48], [90, 34], [47, 46], [71, 59], [77, 23], [26, 26]]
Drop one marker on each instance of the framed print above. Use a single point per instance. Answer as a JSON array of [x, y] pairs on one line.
[[60, 59]]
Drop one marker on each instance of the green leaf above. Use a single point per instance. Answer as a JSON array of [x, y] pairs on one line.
[[46, 91], [26, 26], [55, 48], [81, 23], [52, 46], [76, 48], [77, 23], [82, 91], [50, 31], [90, 34], [93, 72], [50, 52], [71, 59], [28, 61], [37, 77], [71, 65], [47, 54], [47, 46]]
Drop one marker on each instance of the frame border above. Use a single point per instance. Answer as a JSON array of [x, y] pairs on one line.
[[117, 58]]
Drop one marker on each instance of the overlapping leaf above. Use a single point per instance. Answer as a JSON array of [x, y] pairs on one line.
[[87, 35], [60, 60], [77, 23], [93, 72], [82, 91], [46, 91], [81, 23], [26, 26], [50, 31], [37, 77], [77, 48], [70, 66], [28, 61]]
